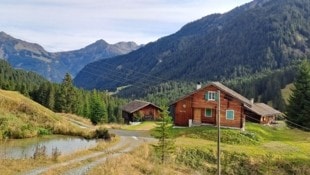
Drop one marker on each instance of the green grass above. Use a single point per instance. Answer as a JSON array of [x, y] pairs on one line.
[[146, 125], [229, 136], [286, 92], [278, 133], [278, 150], [279, 141]]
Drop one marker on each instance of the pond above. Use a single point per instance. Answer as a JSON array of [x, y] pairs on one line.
[[25, 148]]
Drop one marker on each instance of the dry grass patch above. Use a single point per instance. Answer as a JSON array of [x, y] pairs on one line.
[[82, 120], [139, 162], [12, 167], [21, 117], [16, 166]]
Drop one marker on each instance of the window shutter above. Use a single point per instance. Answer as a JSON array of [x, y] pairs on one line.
[[216, 96], [206, 96]]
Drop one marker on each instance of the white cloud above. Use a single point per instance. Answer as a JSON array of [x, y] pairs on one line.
[[72, 24]]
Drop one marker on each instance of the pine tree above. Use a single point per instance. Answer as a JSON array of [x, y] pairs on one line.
[[98, 111], [66, 96], [50, 100], [298, 109], [165, 145], [111, 114]]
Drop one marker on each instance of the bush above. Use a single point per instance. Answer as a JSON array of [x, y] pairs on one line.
[[44, 131], [238, 163], [102, 133]]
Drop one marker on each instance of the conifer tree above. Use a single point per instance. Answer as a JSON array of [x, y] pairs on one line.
[[98, 111], [50, 100], [165, 145], [298, 110], [66, 96]]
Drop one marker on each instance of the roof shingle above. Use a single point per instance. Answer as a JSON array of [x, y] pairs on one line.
[[222, 88], [136, 105], [263, 109]]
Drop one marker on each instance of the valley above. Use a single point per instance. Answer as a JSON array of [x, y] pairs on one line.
[[228, 93], [267, 150]]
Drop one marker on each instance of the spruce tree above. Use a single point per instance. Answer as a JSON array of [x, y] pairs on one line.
[[66, 96], [98, 111], [165, 145], [298, 110], [50, 100]]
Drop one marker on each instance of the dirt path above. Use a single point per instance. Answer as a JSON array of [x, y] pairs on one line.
[[78, 123], [129, 140]]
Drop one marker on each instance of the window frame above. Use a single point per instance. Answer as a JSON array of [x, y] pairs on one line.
[[230, 110], [208, 116], [211, 96]]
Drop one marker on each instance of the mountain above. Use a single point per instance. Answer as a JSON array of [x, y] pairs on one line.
[[53, 66], [262, 35]]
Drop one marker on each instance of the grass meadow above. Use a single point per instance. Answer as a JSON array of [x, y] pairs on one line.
[[259, 150]]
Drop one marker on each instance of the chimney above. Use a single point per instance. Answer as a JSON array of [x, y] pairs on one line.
[[252, 100], [198, 85]]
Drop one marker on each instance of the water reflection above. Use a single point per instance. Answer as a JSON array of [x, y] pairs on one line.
[[25, 148]]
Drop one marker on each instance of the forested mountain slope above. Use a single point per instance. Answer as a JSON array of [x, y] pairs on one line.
[[62, 97], [260, 36], [18, 80]]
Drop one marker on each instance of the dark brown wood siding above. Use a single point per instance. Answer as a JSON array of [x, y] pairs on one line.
[[183, 112], [148, 112], [209, 120], [198, 101]]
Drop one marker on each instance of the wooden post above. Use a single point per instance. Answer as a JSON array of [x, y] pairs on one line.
[[218, 132]]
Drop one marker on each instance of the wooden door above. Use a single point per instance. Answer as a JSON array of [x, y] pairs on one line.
[[197, 115]]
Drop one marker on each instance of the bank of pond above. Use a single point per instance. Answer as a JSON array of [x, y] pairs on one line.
[[28, 148]]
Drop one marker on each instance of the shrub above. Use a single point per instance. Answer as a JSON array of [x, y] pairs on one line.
[[237, 163], [44, 131], [102, 133]]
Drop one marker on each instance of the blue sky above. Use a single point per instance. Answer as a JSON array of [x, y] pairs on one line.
[[62, 25]]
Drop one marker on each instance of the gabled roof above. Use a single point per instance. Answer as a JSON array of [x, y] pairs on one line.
[[222, 88], [136, 105], [263, 110], [231, 92]]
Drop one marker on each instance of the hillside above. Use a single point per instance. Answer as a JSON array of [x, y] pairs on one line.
[[261, 149], [18, 80], [259, 36], [53, 66], [21, 117]]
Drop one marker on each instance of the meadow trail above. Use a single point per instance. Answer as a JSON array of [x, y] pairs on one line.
[[129, 140]]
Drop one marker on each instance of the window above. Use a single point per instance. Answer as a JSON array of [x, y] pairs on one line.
[[211, 95], [208, 112], [230, 114]]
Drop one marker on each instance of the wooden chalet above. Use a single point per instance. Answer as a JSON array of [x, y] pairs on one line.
[[261, 113], [202, 106], [145, 110]]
